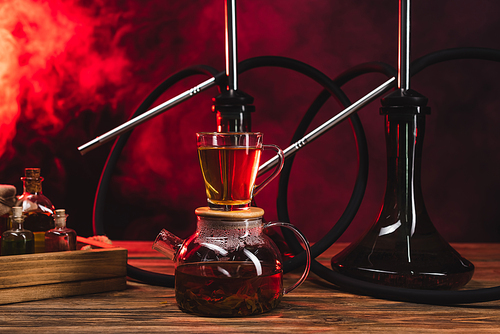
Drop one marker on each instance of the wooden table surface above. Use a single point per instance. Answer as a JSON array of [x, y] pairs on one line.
[[314, 307]]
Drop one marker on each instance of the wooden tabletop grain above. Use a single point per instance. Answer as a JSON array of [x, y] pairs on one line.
[[315, 307]]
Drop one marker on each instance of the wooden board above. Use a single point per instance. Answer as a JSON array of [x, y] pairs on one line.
[[58, 274], [62, 289], [315, 307]]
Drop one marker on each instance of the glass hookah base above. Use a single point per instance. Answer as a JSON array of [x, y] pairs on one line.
[[424, 271], [213, 289]]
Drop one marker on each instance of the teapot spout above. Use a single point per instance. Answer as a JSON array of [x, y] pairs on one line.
[[167, 244]]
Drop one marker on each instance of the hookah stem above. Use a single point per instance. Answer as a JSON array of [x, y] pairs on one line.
[[231, 45], [404, 45], [233, 108], [145, 115]]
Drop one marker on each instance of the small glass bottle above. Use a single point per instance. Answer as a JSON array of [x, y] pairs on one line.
[[17, 240], [37, 208], [7, 201], [60, 238]]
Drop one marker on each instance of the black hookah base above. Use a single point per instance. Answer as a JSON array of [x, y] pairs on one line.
[[420, 262]]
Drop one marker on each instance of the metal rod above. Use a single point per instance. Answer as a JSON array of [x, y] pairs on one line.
[[404, 45], [320, 130], [231, 47], [145, 116]]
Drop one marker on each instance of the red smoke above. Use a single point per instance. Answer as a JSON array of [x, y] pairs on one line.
[[61, 59], [52, 65], [71, 70]]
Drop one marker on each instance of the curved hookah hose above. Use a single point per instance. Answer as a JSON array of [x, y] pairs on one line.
[[387, 292], [322, 79], [357, 286], [107, 172]]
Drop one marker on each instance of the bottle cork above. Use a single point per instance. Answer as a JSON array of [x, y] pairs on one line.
[[32, 172], [17, 212], [32, 180], [60, 217]]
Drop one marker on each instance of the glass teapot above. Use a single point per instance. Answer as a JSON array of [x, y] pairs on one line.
[[229, 267]]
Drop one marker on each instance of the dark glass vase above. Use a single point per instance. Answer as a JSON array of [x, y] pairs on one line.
[[403, 248]]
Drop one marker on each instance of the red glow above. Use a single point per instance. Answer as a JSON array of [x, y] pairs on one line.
[[71, 70], [49, 64]]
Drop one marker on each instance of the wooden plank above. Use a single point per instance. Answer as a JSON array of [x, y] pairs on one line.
[[315, 307], [58, 267], [39, 276], [46, 291]]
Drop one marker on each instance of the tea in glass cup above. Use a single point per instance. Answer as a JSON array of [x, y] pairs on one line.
[[230, 163]]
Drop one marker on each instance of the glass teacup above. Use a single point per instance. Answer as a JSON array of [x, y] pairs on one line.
[[230, 164]]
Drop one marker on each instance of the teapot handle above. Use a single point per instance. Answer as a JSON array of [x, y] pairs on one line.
[[307, 249]]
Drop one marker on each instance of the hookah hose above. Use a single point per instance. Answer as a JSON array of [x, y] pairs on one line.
[[322, 79], [372, 289], [102, 189], [331, 88]]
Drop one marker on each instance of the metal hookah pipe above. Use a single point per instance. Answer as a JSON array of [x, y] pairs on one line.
[[233, 107], [404, 46]]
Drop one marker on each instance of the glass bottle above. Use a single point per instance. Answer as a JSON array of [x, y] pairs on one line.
[[403, 248], [17, 240], [37, 208], [60, 238], [7, 201]]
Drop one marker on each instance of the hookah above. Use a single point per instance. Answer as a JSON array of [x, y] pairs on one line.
[[388, 262], [400, 248]]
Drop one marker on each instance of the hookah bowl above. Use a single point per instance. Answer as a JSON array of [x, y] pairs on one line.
[[403, 248]]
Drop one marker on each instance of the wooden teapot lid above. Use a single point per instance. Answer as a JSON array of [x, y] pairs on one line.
[[251, 212]]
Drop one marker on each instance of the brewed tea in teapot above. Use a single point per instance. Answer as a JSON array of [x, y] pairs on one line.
[[229, 267]]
